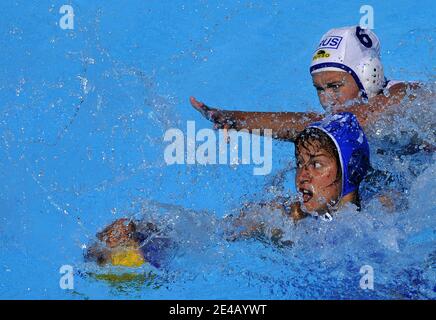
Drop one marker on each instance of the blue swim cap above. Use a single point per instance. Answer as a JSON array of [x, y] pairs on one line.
[[352, 146]]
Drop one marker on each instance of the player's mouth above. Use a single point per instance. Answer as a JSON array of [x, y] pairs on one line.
[[307, 194]]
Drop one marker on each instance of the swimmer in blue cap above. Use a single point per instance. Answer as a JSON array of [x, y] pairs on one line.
[[332, 160], [348, 76]]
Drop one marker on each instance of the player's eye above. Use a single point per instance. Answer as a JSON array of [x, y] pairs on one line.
[[317, 165], [336, 86]]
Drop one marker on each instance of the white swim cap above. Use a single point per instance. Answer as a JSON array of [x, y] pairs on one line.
[[353, 50]]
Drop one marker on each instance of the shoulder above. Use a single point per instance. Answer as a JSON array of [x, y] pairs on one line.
[[395, 86], [396, 90]]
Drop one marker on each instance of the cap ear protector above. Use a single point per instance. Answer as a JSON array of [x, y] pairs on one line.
[[371, 75], [357, 166]]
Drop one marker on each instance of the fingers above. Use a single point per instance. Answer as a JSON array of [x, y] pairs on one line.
[[202, 108], [211, 114], [117, 229], [196, 104]]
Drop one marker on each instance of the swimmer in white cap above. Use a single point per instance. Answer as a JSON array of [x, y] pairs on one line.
[[348, 76]]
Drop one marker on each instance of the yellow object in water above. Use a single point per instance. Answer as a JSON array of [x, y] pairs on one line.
[[128, 257]]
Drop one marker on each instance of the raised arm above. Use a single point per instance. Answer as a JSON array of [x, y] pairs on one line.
[[284, 125]]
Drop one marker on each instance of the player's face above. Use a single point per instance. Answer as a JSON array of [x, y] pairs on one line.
[[335, 88], [316, 178]]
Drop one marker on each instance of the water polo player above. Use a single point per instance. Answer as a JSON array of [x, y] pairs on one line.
[[348, 76], [332, 159]]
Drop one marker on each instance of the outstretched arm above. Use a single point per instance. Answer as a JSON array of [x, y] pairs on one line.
[[284, 125]]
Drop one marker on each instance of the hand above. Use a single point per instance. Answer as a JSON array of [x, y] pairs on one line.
[[220, 118], [97, 253], [296, 212], [118, 233]]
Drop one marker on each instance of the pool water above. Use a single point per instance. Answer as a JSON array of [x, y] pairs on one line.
[[84, 113]]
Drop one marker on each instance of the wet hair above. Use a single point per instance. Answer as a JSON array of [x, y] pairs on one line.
[[313, 137]]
